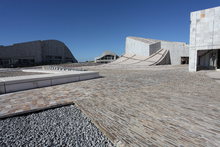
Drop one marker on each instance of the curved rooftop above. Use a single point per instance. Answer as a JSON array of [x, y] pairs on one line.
[[106, 53], [38, 52]]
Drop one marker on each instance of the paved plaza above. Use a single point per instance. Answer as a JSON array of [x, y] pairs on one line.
[[153, 106], [15, 73]]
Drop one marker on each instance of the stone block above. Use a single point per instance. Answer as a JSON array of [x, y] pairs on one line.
[[89, 76], [19, 86], [62, 80], [12, 84], [2, 88], [44, 83]]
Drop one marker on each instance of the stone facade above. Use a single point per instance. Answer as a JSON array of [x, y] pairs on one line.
[[141, 46], [204, 39]]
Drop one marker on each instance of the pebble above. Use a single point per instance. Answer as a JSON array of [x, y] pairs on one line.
[[63, 126]]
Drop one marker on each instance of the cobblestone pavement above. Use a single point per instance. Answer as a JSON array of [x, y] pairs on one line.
[[161, 106], [214, 75]]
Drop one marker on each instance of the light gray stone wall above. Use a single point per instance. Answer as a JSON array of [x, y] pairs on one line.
[[146, 47], [137, 47], [204, 33], [177, 50], [154, 47]]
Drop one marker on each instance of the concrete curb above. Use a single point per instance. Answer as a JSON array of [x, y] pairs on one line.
[[13, 84]]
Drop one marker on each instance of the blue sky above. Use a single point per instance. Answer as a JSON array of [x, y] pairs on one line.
[[89, 27]]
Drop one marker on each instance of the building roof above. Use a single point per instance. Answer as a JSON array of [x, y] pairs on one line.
[[218, 7], [150, 41], [145, 40], [106, 53]]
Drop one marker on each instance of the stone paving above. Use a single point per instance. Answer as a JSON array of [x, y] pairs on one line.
[[214, 75], [157, 106], [16, 73]]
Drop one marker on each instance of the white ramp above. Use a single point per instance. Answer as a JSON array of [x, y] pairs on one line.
[[155, 59], [161, 57], [122, 59]]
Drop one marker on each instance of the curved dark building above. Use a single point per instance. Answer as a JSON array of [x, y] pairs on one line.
[[35, 53]]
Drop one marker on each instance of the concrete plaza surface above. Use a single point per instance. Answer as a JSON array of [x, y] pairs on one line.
[[157, 105]]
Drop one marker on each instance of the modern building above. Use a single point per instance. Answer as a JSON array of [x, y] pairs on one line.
[[178, 52], [205, 39], [106, 57], [35, 53]]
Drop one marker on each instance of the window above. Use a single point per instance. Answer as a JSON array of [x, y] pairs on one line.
[[184, 60]]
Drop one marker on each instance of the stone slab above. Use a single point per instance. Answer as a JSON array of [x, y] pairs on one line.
[[62, 80], [13, 84]]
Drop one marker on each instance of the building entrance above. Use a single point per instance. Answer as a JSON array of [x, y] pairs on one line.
[[218, 59]]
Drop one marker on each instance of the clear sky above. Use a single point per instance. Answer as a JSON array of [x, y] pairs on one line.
[[89, 27]]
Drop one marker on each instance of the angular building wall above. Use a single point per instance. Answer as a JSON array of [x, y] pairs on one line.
[[146, 47], [35, 53], [204, 37], [141, 46], [177, 50]]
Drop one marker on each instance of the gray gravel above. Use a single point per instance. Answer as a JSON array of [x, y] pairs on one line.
[[64, 126]]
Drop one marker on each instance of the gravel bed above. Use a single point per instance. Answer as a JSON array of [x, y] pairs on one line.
[[63, 126]]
